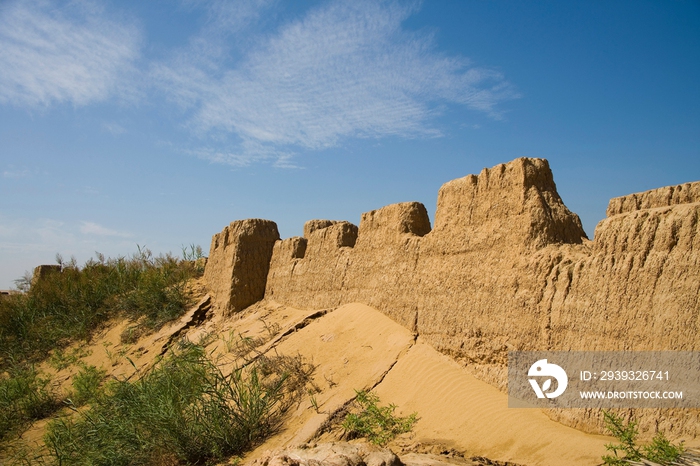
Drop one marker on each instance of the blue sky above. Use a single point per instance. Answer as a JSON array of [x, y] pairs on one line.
[[157, 123]]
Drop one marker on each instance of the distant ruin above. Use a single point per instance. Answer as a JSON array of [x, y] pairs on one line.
[[506, 267]]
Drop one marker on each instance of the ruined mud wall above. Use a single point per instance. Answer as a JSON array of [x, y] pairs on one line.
[[508, 267], [467, 286], [238, 263], [637, 289]]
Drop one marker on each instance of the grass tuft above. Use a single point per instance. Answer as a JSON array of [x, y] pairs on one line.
[[24, 396], [184, 408], [61, 359], [660, 450], [378, 424], [86, 385], [71, 304]]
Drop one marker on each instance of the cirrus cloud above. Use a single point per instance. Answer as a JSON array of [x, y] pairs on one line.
[[91, 228], [63, 52], [346, 69]]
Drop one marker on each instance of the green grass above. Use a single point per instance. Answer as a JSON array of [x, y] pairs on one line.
[[71, 305], [61, 359], [660, 450], [74, 303], [86, 385], [377, 424], [24, 396], [185, 409]]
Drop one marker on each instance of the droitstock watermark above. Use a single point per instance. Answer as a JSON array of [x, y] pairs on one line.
[[604, 379]]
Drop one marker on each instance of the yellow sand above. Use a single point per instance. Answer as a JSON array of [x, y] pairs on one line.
[[354, 347], [469, 415]]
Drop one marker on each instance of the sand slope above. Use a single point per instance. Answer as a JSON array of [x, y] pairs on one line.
[[356, 347], [353, 348], [469, 415]]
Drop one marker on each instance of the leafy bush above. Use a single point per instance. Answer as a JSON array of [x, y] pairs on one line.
[[24, 396], [377, 424], [660, 450], [184, 408]]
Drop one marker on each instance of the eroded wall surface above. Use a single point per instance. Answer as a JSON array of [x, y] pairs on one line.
[[508, 267], [474, 286], [238, 263]]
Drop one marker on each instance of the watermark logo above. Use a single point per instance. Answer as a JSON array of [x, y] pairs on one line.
[[603, 379], [542, 368]]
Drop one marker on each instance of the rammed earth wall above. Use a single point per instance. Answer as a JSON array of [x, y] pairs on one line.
[[506, 267]]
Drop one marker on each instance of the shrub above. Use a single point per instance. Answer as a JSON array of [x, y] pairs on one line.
[[377, 424], [184, 408], [660, 450]]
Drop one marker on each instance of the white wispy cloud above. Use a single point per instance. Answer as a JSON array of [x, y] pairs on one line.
[[343, 70], [15, 173], [347, 69], [49, 234], [115, 129], [55, 52], [91, 228], [189, 72], [227, 17], [249, 152], [24, 236]]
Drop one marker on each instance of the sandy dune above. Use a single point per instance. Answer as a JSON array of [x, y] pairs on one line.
[[352, 347], [357, 347], [469, 415]]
